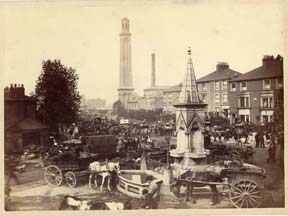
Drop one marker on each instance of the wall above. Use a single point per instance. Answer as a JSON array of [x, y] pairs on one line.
[[254, 88]]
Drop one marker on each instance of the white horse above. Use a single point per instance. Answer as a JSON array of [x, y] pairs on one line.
[[103, 169]]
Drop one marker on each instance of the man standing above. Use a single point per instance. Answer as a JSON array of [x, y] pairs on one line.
[[257, 139], [10, 166], [152, 197], [261, 139]]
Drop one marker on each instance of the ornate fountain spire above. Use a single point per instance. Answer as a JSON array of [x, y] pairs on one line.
[[189, 92]]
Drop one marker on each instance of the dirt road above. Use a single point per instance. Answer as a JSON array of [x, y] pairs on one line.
[[34, 194]]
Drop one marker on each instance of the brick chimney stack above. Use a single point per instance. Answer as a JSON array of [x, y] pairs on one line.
[[221, 66], [15, 91], [268, 61], [153, 75]]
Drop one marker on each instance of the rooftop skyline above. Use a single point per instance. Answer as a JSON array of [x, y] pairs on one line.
[[87, 39]]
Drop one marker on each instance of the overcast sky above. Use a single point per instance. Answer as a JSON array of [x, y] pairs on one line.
[[86, 37]]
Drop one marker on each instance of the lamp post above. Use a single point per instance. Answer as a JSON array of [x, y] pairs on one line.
[[168, 134]]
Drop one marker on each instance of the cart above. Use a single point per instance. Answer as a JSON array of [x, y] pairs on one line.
[[73, 167], [224, 151], [72, 172], [245, 183]]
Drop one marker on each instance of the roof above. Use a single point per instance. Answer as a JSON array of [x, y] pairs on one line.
[[226, 74], [261, 73], [176, 88], [189, 92], [28, 124]]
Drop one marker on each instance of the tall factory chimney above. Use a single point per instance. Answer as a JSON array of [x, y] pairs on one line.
[[153, 79]]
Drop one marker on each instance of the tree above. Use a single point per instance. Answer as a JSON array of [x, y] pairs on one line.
[[119, 109], [57, 93]]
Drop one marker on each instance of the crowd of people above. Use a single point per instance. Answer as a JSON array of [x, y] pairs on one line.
[[138, 138]]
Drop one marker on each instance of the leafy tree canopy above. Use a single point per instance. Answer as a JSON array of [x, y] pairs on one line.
[[56, 90]]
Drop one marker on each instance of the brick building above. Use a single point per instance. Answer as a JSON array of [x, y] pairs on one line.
[[252, 95], [20, 124], [170, 97], [213, 88]]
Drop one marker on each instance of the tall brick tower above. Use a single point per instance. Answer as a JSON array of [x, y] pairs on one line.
[[125, 89]]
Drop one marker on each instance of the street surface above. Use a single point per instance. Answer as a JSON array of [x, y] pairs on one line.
[[34, 194]]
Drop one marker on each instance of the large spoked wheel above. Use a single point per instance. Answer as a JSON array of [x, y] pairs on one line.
[[53, 176], [71, 179], [245, 194]]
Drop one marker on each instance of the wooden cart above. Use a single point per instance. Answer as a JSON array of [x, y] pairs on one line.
[[75, 170], [245, 185]]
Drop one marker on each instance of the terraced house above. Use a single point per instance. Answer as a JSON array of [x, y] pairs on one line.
[[252, 95], [213, 88]]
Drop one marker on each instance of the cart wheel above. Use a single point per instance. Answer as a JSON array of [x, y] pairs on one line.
[[71, 179], [245, 194], [53, 176]]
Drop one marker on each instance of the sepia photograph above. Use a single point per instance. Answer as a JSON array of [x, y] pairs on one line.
[[142, 105]]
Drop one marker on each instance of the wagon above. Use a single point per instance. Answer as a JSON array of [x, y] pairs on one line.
[[222, 151], [72, 166], [72, 171], [245, 183]]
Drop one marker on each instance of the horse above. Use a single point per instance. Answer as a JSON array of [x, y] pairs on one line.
[[105, 170], [199, 176]]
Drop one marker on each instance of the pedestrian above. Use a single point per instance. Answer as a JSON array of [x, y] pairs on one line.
[[152, 195], [10, 168], [261, 140], [271, 152], [215, 195], [257, 139]]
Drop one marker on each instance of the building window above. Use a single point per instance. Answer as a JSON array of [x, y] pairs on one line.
[[217, 111], [203, 87], [266, 116], [279, 83], [224, 98], [204, 98], [243, 101], [267, 101], [243, 86], [244, 118], [216, 98], [224, 85], [233, 87], [199, 86], [266, 84], [216, 85]]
